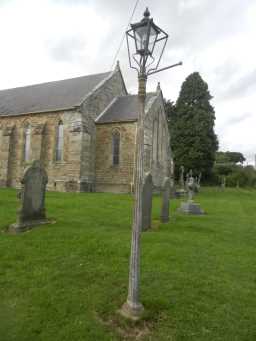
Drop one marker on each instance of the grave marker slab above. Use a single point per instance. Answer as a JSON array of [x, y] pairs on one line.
[[32, 196]]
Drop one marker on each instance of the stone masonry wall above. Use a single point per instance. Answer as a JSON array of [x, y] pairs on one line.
[[42, 146], [109, 177], [91, 108]]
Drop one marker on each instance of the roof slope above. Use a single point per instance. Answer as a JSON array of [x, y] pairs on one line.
[[51, 96], [123, 109]]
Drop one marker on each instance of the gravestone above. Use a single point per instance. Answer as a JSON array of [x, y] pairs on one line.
[[182, 177], [147, 202], [165, 201], [32, 196], [172, 188], [181, 191], [197, 185]]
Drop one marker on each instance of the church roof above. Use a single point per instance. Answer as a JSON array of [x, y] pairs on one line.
[[123, 109], [51, 96]]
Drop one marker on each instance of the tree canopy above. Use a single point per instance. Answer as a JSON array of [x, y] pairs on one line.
[[191, 121]]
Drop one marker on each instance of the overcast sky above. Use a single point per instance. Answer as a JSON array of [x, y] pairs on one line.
[[57, 39]]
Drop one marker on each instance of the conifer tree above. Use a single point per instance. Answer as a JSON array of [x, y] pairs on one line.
[[193, 140]]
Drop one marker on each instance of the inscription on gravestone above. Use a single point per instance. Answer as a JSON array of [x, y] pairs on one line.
[[147, 202], [32, 196]]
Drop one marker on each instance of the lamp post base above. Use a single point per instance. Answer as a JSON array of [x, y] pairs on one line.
[[132, 311]]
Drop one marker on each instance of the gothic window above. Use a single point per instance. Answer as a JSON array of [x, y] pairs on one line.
[[155, 140], [159, 138], [59, 142], [27, 143], [116, 148]]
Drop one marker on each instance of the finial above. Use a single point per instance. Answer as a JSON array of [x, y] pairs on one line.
[[146, 13], [117, 65], [158, 88]]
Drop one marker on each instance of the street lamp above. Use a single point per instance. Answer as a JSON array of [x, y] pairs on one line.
[[146, 38]]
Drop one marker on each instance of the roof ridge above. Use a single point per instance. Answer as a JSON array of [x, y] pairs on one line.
[[56, 81]]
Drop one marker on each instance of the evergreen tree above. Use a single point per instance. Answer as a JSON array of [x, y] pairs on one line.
[[193, 140]]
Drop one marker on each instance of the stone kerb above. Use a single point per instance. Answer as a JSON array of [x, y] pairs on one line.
[[165, 200], [32, 196], [147, 202]]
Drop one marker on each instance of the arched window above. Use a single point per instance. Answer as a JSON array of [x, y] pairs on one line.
[[59, 142], [116, 147], [27, 143], [155, 140]]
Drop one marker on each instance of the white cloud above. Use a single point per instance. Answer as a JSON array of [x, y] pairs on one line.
[[43, 40]]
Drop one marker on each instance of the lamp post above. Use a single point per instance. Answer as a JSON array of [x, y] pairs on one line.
[[146, 38]]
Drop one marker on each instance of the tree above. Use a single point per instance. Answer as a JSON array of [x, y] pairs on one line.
[[235, 157], [193, 140]]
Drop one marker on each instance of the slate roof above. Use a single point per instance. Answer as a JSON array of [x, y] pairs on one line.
[[51, 96], [123, 109]]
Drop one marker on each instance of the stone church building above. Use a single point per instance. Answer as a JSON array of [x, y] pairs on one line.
[[83, 130]]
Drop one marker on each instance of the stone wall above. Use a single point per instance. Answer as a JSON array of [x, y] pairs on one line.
[[42, 147], [91, 108], [109, 177]]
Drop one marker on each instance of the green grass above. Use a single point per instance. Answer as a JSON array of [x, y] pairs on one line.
[[65, 281]]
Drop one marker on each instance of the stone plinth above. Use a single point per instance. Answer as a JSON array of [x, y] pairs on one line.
[[191, 207]]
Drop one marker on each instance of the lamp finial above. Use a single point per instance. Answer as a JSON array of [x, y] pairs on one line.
[[146, 13]]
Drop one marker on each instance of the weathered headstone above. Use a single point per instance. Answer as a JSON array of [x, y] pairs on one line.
[[197, 184], [181, 191], [165, 200], [172, 188], [147, 202], [182, 177], [191, 186], [32, 196]]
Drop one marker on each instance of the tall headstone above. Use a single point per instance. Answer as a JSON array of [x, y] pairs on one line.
[[32, 196], [181, 191], [191, 186], [165, 200], [198, 180], [182, 177], [147, 202]]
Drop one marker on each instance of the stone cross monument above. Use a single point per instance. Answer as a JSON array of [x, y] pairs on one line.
[[190, 207]]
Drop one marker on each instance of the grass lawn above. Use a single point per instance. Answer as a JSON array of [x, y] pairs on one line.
[[65, 281]]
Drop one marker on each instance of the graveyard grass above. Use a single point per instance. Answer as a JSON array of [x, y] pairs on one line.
[[65, 281]]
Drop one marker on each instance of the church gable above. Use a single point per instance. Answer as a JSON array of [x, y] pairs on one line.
[[120, 119]]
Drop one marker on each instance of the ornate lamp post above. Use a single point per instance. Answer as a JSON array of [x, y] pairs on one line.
[[146, 38]]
